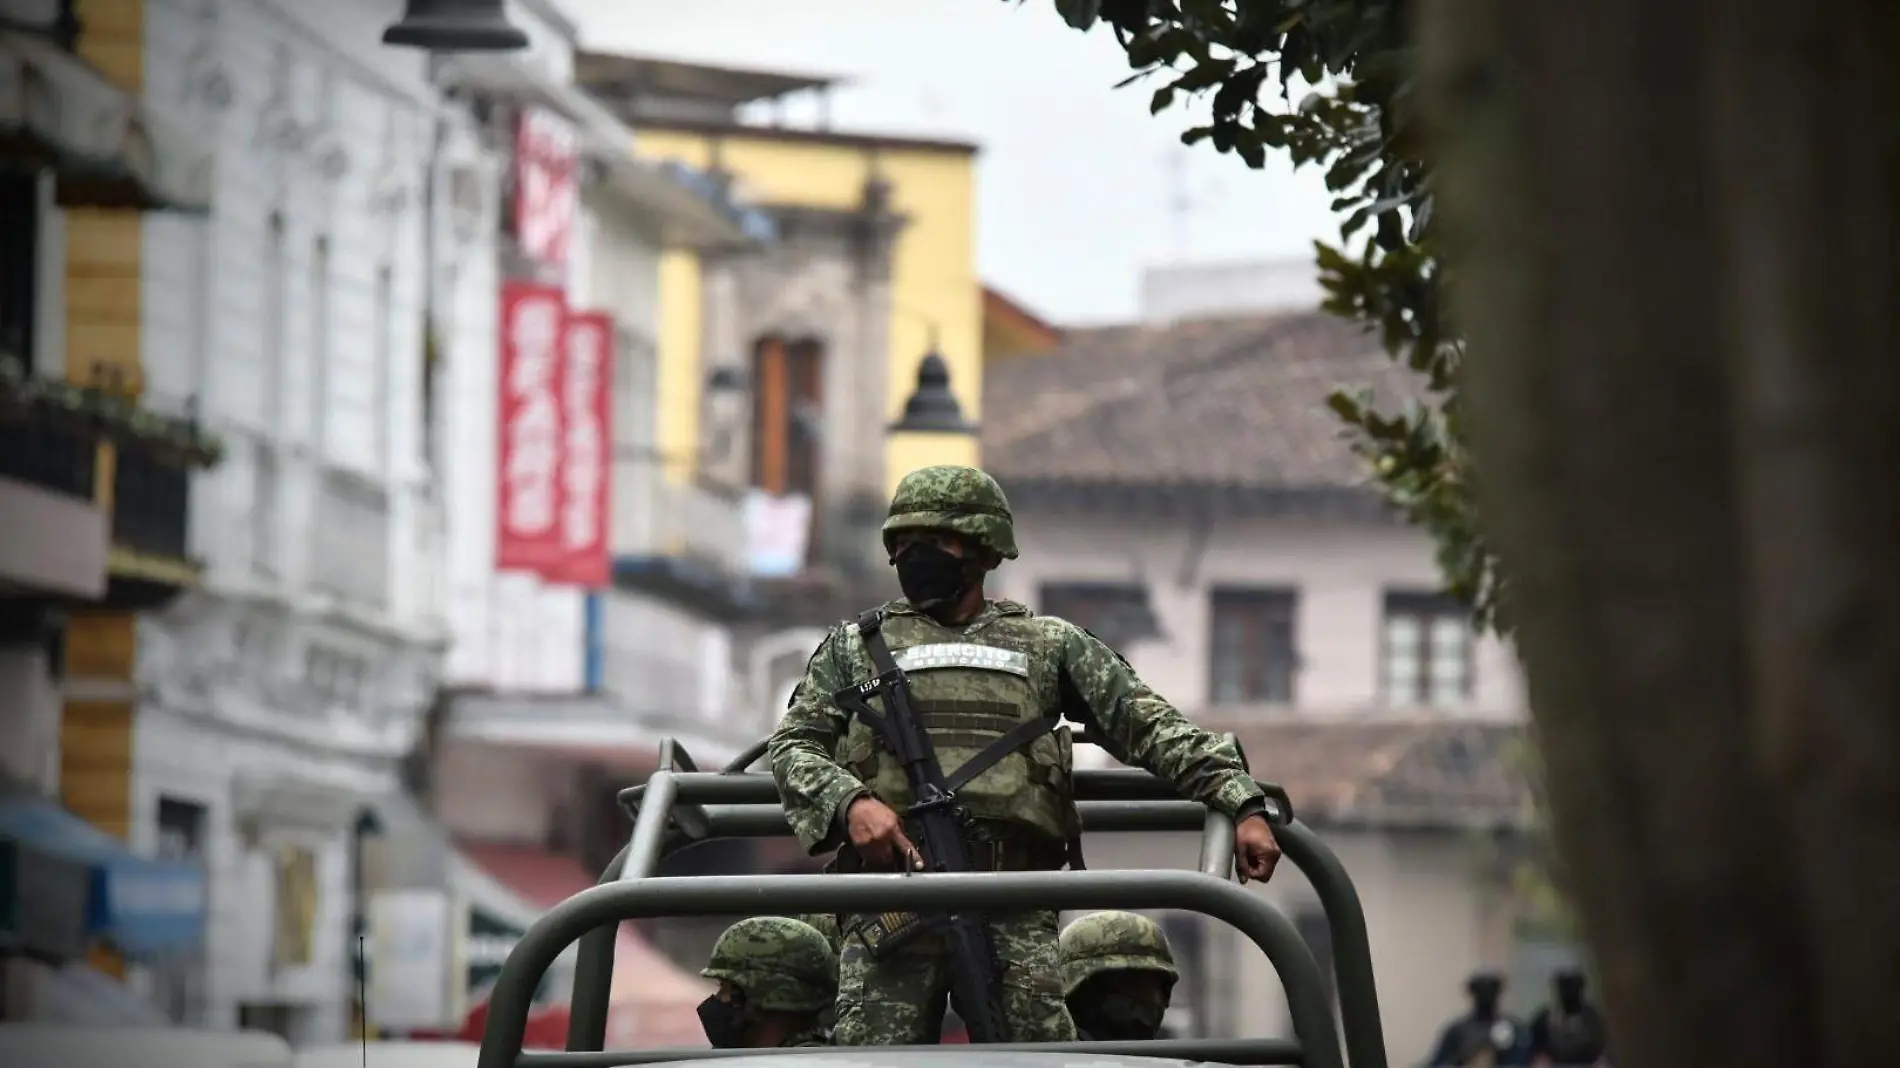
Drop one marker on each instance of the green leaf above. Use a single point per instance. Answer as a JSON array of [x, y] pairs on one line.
[[1079, 14]]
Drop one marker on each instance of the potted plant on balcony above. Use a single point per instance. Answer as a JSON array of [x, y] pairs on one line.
[[99, 414]]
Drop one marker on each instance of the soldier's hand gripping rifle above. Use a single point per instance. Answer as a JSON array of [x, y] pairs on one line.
[[975, 978]]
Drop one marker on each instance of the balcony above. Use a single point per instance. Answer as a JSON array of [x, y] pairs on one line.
[[846, 572], [51, 457], [55, 540], [681, 541]]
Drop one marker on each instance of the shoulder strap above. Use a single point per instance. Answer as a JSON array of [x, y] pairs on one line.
[[871, 631]]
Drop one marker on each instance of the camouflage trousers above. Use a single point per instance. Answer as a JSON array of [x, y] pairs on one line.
[[899, 1001]]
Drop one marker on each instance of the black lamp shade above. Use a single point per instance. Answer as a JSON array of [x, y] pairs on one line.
[[726, 380], [933, 409], [456, 26]]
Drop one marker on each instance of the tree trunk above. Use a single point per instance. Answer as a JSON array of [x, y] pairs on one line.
[[1675, 228]]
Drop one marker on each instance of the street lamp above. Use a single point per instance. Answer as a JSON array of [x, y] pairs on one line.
[[456, 26], [933, 408]]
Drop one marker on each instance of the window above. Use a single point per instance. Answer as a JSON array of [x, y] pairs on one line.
[[1117, 613], [351, 555], [787, 415], [1252, 657], [272, 342], [320, 344], [1427, 652], [263, 517], [19, 264], [434, 374], [384, 324], [179, 981]]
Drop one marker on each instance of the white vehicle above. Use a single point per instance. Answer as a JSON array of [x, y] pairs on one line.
[[28, 1045], [389, 1055], [680, 805]]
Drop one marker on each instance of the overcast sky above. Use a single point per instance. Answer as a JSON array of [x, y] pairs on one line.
[[1079, 184]]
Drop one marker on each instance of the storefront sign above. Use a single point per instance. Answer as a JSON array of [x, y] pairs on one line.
[[547, 188], [413, 964], [587, 452], [533, 318], [556, 438]]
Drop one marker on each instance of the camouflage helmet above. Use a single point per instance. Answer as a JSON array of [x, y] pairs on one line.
[[961, 500], [1103, 942], [782, 964]]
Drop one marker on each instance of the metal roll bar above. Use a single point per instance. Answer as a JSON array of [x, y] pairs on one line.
[[680, 806], [739, 895]]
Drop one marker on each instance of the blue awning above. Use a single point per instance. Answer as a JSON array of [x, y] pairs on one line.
[[144, 907]]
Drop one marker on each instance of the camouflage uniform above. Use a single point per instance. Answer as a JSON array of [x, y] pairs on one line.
[[970, 685], [1106, 943], [779, 965], [826, 924]]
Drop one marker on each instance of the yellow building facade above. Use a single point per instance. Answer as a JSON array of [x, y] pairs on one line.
[[146, 495], [104, 265], [936, 292]]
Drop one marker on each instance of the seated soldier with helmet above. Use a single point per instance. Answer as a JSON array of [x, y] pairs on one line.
[[1118, 976], [777, 978]]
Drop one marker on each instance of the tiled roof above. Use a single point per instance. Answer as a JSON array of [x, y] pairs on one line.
[[1236, 403], [1423, 772]]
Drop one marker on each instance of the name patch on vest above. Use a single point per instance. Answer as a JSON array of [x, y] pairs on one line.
[[964, 655]]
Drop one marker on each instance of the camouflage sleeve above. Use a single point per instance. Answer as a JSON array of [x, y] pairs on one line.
[[1137, 727], [811, 786]]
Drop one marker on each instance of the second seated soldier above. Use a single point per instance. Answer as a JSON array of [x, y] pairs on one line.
[[1118, 975], [987, 681], [777, 976]]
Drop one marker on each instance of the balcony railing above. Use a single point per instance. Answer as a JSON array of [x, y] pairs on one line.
[[50, 457], [151, 506], [685, 535]]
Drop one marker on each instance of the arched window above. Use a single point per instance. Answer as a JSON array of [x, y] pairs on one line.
[[787, 415]]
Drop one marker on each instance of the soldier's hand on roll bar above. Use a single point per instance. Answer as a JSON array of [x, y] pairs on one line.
[[1255, 849], [878, 835]]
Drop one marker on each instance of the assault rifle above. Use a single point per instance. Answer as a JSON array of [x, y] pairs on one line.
[[975, 978]]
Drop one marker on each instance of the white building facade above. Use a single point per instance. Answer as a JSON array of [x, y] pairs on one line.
[[563, 690], [280, 698]]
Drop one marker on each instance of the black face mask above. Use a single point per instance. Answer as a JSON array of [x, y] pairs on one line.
[[930, 576], [1119, 1018], [725, 1023]]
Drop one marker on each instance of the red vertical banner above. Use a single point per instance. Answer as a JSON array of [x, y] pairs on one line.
[[587, 453], [547, 187], [532, 435]]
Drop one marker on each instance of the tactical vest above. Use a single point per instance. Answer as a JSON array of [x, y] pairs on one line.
[[969, 687]]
